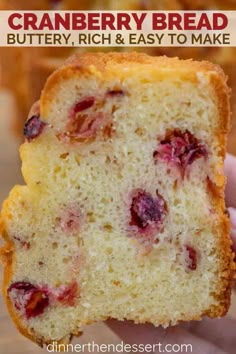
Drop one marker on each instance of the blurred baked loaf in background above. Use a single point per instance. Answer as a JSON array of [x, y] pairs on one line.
[[34, 65]]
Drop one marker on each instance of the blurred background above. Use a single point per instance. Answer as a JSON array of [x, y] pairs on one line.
[[23, 73]]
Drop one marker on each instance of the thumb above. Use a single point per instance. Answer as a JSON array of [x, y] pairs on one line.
[[232, 213], [230, 171]]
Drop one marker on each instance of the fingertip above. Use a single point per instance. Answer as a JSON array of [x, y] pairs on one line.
[[232, 213], [230, 171]]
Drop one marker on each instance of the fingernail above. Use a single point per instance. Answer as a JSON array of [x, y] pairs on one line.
[[232, 213]]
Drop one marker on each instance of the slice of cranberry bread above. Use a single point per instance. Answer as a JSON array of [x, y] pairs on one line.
[[122, 215]]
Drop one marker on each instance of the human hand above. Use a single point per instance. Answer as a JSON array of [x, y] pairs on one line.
[[230, 193], [210, 336]]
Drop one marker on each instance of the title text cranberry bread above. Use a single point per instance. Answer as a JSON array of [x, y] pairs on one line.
[[122, 215]]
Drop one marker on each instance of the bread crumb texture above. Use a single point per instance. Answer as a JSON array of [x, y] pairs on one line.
[[122, 214]]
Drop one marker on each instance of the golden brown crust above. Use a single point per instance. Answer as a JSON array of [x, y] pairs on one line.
[[101, 64], [226, 256], [101, 60]]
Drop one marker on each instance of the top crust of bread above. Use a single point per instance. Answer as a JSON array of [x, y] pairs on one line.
[[106, 64]]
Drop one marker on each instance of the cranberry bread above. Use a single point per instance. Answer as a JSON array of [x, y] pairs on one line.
[[122, 215]]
